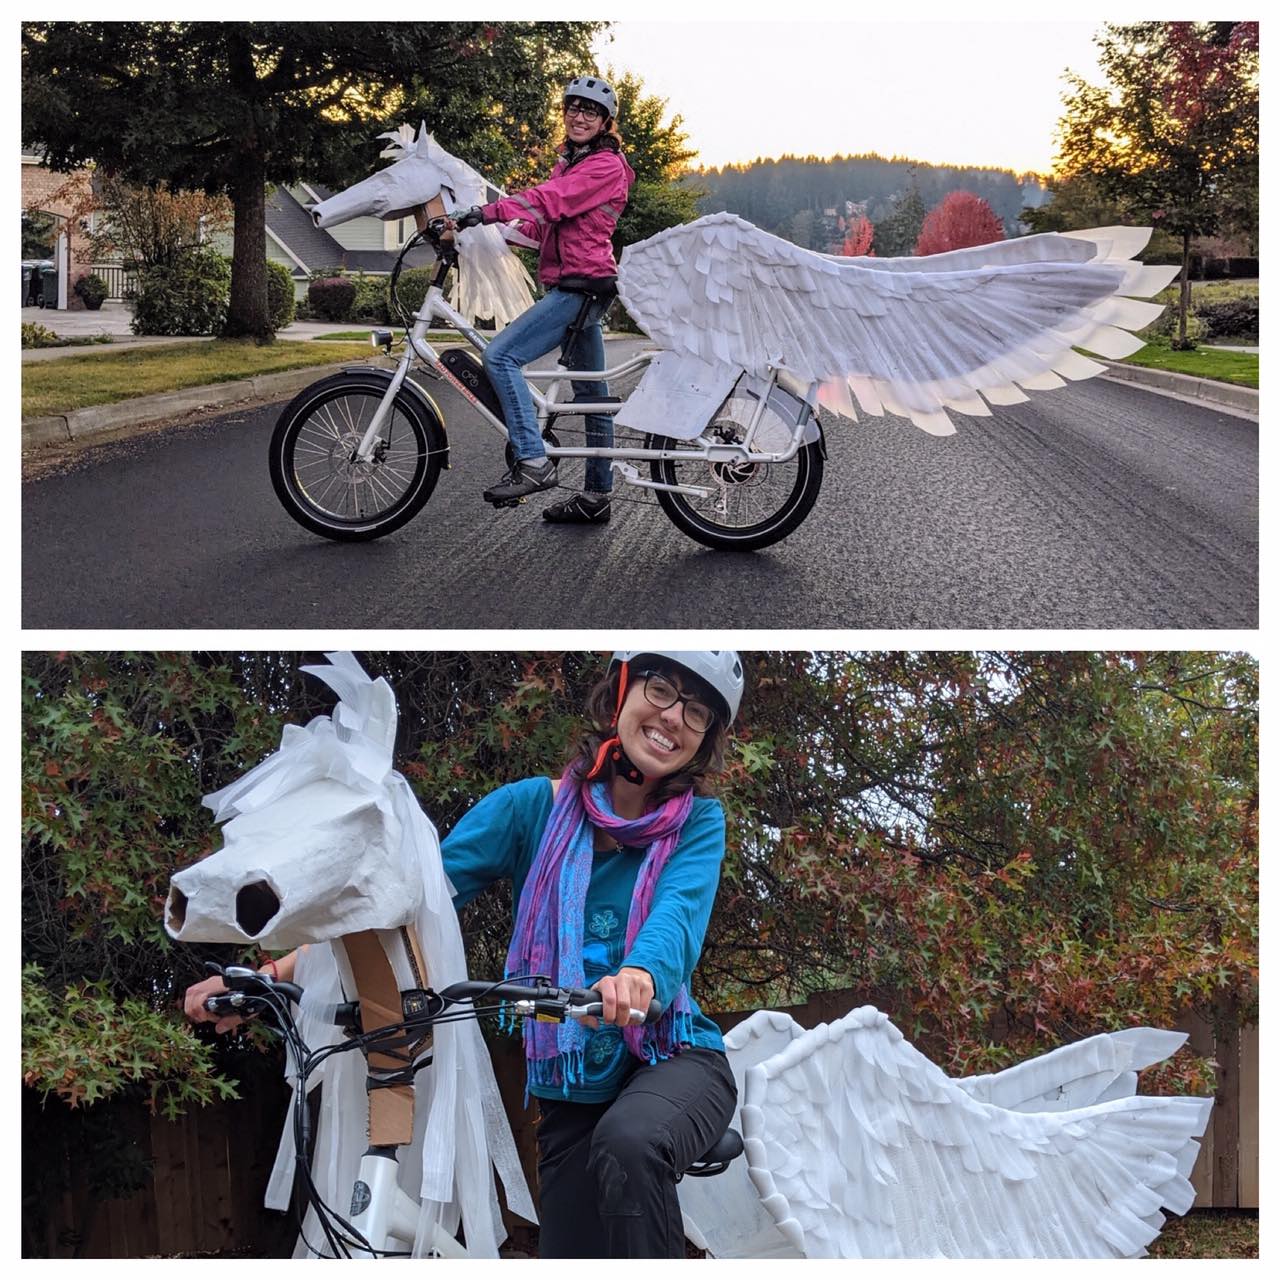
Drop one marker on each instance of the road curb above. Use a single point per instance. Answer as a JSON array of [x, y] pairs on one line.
[[1224, 394], [115, 419]]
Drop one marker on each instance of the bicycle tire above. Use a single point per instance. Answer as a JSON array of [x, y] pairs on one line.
[[314, 424], [696, 518]]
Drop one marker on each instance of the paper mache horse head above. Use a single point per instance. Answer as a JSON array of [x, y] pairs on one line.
[[492, 282], [325, 844]]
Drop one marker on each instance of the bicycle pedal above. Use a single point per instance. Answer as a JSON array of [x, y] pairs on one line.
[[499, 504]]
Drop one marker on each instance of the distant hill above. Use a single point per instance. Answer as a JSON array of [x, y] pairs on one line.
[[798, 196]]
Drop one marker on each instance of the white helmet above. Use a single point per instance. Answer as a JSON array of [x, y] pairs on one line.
[[593, 89], [720, 668]]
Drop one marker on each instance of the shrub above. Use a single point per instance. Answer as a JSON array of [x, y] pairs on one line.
[[281, 303], [36, 335], [1230, 318], [371, 300], [92, 290], [1166, 324], [412, 287], [189, 297], [332, 298]]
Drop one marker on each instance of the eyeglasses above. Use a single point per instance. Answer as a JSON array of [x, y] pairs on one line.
[[584, 109], [661, 693]]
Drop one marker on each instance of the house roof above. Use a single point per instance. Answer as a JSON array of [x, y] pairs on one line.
[[294, 227]]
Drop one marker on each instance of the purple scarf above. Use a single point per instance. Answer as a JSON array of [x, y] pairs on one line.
[[549, 922]]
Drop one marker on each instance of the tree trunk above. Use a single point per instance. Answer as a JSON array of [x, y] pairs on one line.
[[1184, 293], [247, 315]]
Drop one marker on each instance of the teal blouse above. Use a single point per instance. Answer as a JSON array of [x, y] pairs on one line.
[[498, 839]]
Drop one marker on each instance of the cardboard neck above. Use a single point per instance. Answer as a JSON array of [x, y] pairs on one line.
[[384, 968]]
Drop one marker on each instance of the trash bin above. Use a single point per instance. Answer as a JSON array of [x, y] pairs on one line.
[[49, 287], [26, 283]]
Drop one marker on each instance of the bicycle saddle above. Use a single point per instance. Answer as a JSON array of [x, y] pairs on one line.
[[598, 286]]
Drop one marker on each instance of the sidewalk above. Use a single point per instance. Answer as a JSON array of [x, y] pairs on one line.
[[113, 319]]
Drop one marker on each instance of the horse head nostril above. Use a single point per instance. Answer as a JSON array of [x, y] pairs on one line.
[[175, 909], [256, 906]]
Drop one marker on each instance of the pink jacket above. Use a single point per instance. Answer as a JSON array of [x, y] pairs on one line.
[[572, 215]]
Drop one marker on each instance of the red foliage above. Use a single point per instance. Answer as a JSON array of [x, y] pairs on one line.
[[1204, 72], [959, 222], [857, 240]]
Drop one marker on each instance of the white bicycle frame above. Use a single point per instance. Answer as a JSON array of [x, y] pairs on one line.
[[435, 308]]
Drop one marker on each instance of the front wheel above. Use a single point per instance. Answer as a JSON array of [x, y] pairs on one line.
[[325, 487], [749, 505]]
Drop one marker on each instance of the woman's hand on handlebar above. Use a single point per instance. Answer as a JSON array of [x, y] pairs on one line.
[[194, 1008], [620, 993], [472, 217]]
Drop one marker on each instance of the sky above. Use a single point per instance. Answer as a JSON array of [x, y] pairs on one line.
[[965, 93]]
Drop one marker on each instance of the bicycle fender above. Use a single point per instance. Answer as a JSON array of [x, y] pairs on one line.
[[425, 401], [813, 431]]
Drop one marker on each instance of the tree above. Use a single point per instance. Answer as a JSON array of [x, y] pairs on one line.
[[293, 100], [659, 153], [897, 234], [1173, 134], [961, 221], [1002, 850], [857, 239], [143, 226]]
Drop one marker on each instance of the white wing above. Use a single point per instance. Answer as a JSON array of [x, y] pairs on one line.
[[723, 1214], [913, 336], [861, 1147], [1098, 1069]]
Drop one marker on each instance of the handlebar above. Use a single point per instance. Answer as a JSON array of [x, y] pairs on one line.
[[549, 1003], [542, 1001]]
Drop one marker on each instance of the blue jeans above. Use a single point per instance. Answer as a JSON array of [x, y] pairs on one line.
[[537, 331]]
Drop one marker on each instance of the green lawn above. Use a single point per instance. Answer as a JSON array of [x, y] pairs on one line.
[[1204, 362], [74, 382]]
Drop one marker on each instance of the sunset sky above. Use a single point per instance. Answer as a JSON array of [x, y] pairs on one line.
[[966, 93]]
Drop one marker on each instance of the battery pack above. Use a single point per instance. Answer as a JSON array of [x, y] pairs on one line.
[[470, 372]]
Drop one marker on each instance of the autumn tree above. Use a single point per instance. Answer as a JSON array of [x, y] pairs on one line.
[[1003, 850], [857, 238], [961, 221], [1173, 133], [142, 226], [226, 107]]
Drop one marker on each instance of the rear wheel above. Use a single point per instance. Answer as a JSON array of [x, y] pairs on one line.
[[323, 485], [749, 504]]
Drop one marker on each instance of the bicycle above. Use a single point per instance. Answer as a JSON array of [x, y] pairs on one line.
[[381, 1214], [357, 455]]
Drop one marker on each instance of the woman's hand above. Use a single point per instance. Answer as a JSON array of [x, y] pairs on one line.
[[620, 993], [472, 217], [193, 1005]]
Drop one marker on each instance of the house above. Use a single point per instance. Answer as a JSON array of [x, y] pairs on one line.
[[365, 245], [50, 231]]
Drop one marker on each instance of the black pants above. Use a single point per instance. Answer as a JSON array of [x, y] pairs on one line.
[[607, 1170]]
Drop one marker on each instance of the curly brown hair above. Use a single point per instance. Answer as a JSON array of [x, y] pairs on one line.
[[708, 760]]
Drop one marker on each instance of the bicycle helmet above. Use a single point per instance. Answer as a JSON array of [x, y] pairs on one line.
[[720, 668], [592, 89]]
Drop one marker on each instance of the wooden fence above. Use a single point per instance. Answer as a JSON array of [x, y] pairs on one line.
[[211, 1167]]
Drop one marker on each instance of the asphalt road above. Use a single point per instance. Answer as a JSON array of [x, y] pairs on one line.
[[1095, 506]]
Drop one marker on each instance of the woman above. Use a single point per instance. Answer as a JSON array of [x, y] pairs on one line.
[[572, 215], [615, 867]]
